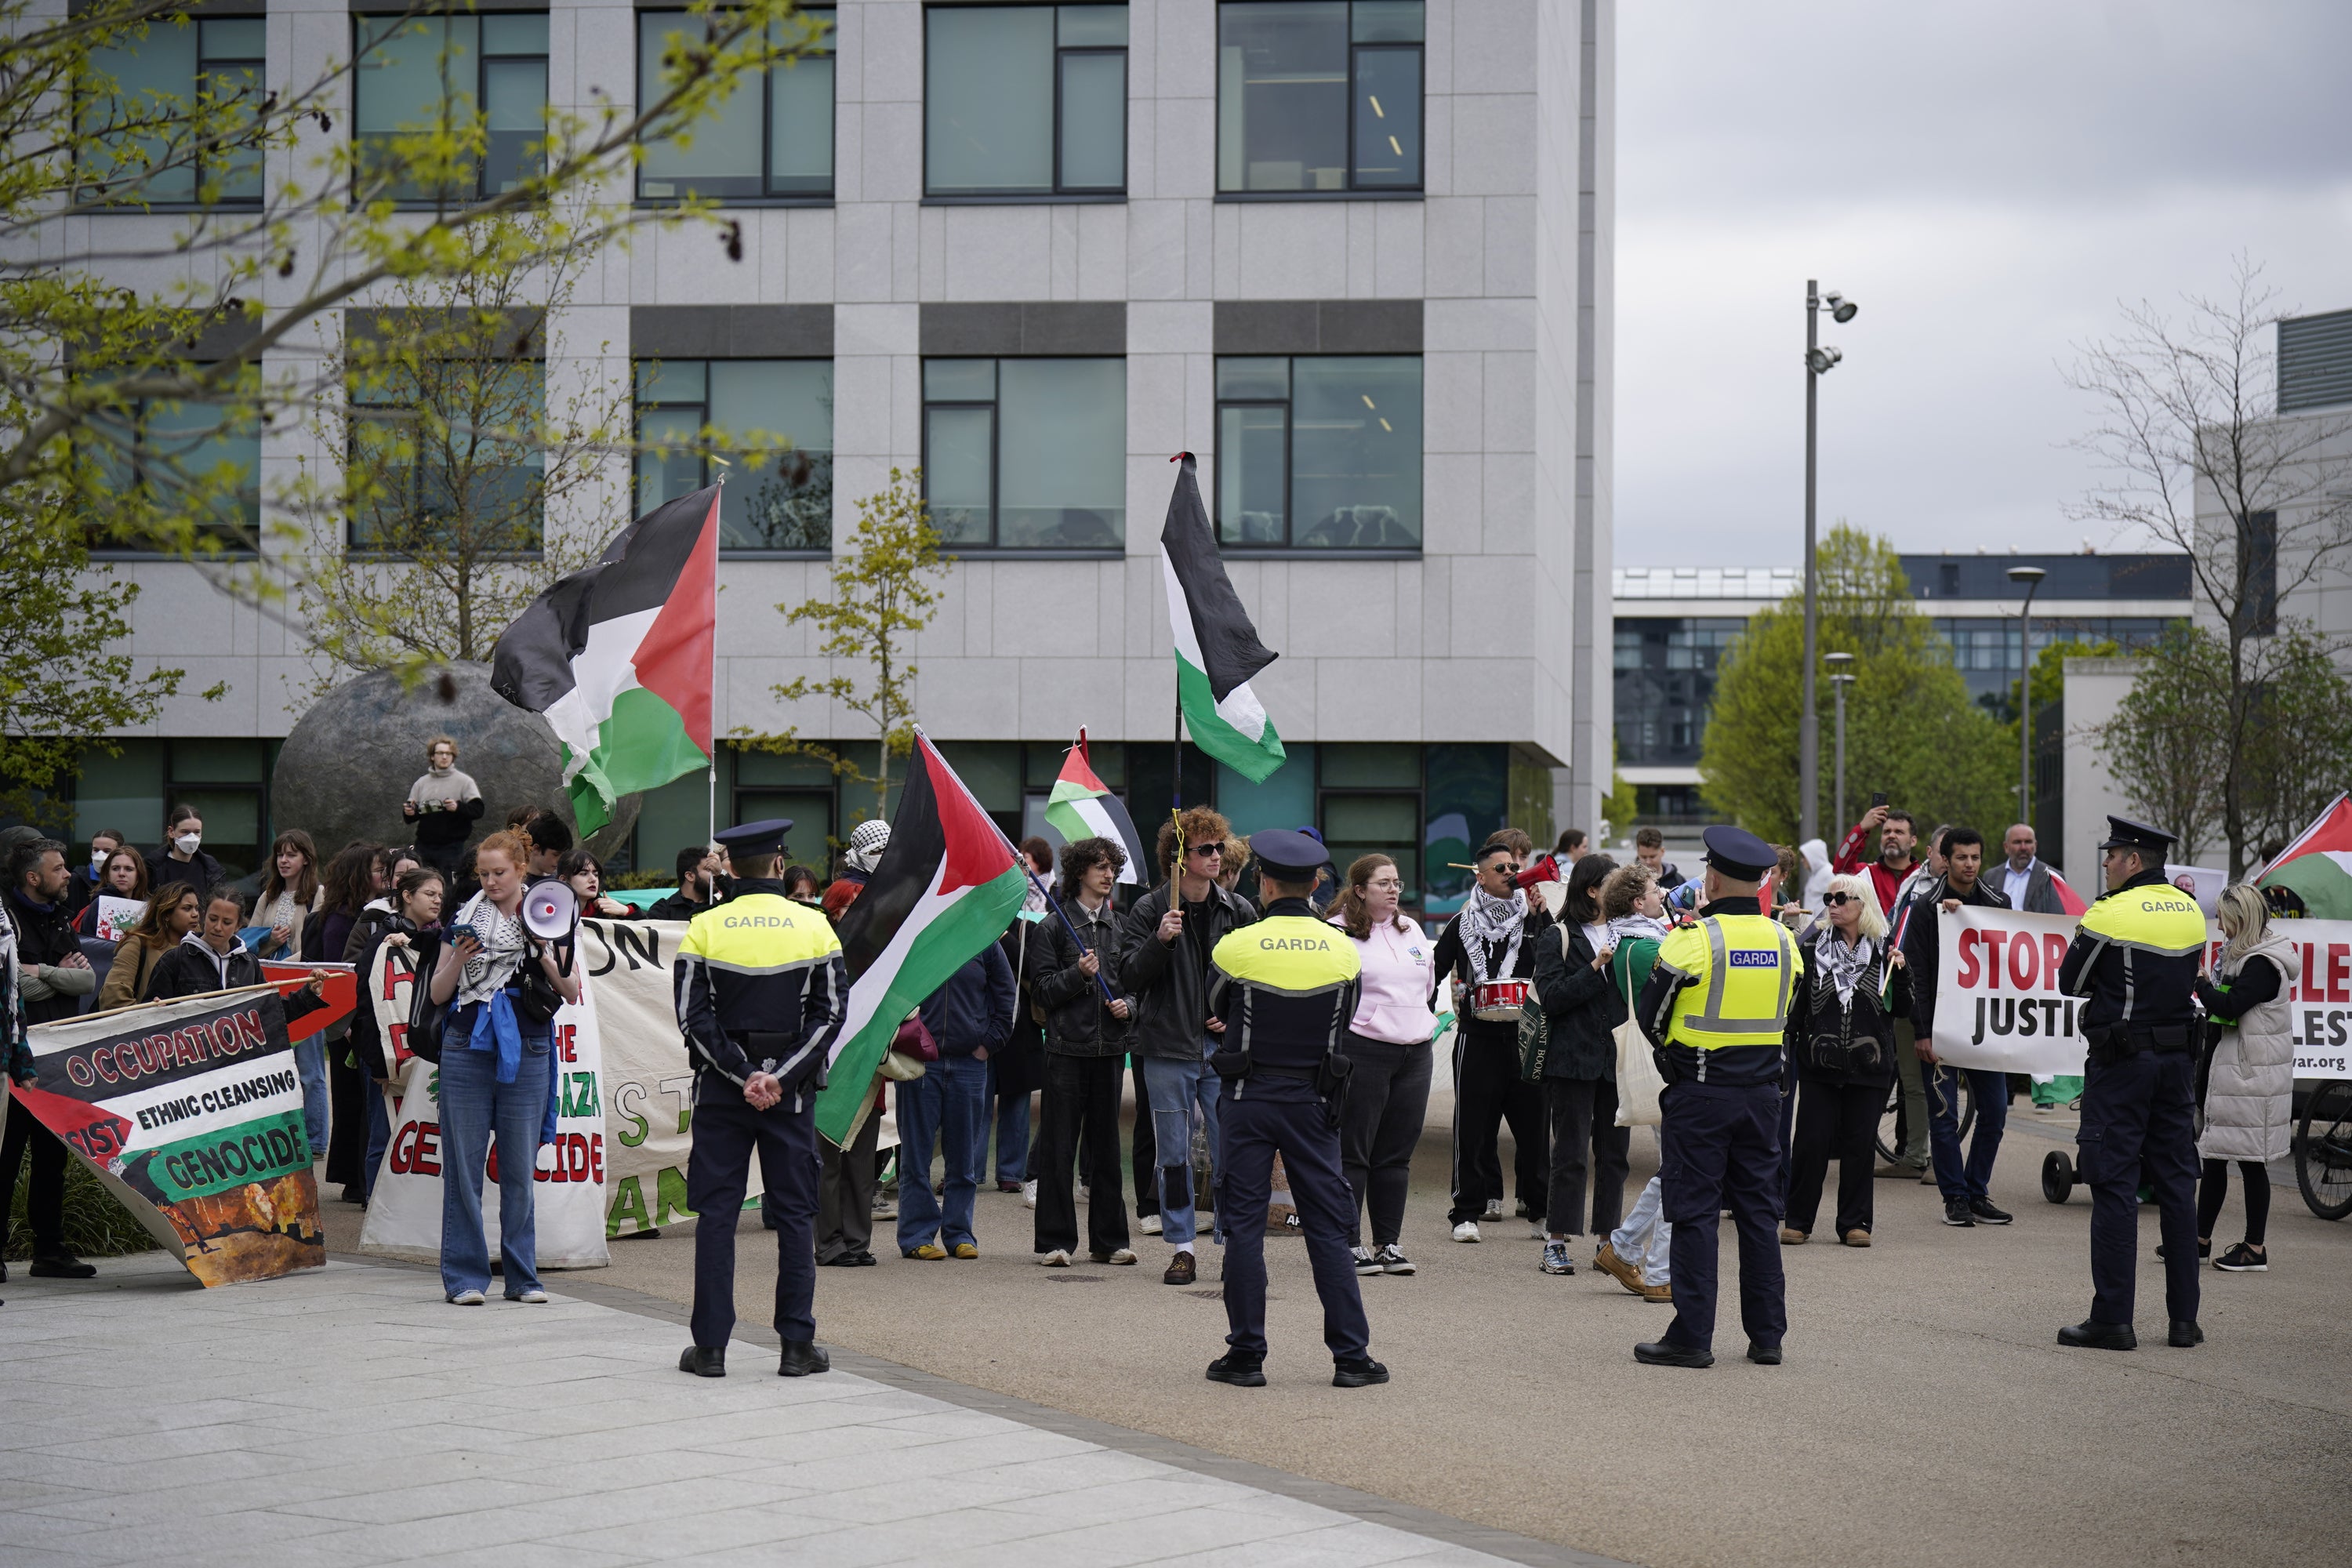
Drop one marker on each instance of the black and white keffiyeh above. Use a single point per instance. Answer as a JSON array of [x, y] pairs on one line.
[[1488, 919]]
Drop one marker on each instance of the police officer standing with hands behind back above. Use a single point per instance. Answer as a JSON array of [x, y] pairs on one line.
[[1280, 994], [762, 992], [1715, 1007], [2136, 956]]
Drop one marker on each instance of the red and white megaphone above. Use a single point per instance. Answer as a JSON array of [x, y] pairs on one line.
[[549, 910]]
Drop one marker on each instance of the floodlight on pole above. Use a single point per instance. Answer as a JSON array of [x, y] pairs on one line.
[[1820, 359], [2030, 578]]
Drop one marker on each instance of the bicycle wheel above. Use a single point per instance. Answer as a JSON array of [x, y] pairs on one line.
[[1891, 1128], [2323, 1151]]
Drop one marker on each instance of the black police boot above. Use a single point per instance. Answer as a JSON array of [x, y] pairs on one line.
[[803, 1357], [2088, 1335], [2185, 1336], [703, 1361], [60, 1265], [1358, 1372], [1243, 1370], [1660, 1353], [1763, 1354]]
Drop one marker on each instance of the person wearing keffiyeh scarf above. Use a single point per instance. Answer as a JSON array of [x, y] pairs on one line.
[[1841, 1046], [1492, 939]]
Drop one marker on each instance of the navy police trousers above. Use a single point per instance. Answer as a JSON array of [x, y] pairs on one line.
[[2141, 1112], [1261, 1116], [716, 1172], [1722, 1150]]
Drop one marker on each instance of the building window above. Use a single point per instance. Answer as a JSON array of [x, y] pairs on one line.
[[193, 86], [1026, 453], [779, 493], [1319, 95], [421, 78], [1024, 101], [171, 454], [434, 467], [2258, 573], [769, 142], [1321, 453]]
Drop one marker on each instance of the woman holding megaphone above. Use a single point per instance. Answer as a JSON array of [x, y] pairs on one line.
[[498, 1073]]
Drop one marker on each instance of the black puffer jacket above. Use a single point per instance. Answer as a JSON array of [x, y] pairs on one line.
[[1078, 1022], [1851, 1042], [1582, 1005]]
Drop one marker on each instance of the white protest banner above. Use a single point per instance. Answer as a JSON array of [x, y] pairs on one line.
[[117, 917], [403, 1215], [1998, 1006], [649, 1085]]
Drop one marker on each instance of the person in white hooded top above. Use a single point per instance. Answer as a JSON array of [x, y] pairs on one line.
[[2249, 1093]]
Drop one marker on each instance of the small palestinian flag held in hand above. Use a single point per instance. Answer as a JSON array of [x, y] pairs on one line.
[[1217, 650], [617, 657], [947, 886], [1082, 806], [2316, 867]]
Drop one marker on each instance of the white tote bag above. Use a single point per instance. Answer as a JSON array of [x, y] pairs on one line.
[[1638, 1083]]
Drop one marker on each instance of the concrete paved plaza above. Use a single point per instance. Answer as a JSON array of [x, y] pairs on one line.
[[348, 1416]]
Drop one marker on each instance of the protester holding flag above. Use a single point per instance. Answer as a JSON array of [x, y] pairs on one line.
[[1842, 1039], [1164, 947]]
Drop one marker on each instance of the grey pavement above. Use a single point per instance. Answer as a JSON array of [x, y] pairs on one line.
[[349, 1416]]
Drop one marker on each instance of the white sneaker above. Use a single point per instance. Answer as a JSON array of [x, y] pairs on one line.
[[534, 1297], [1150, 1225], [1494, 1208], [467, 1298], [1536, 1232], [1057, 1258], [1365, 1262], [1467, 1231], [1086, 1193], [1029, 1195]]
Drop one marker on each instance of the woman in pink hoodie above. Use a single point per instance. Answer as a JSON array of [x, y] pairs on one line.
[[1388, 1039]]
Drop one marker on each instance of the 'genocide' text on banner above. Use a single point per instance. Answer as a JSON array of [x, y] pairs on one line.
[[190, 1113], [1998, 1006]]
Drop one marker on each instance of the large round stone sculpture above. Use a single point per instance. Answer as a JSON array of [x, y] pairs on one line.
[[345, 770]]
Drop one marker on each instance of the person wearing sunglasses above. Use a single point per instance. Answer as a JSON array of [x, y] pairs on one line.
[[1164, 947], [1490, 944], [1841, 1041]]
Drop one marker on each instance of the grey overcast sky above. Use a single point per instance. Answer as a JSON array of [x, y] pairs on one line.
[[1987, 181]]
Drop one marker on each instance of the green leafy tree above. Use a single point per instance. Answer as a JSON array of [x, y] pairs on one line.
[[122, 350], [883, 593], [1911, 729]]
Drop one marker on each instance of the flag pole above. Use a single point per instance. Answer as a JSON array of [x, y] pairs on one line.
[[1055, 905], [711, 837]]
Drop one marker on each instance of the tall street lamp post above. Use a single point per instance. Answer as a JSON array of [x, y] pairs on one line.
[[1841, 677], [1819, 360], [2030, 578]]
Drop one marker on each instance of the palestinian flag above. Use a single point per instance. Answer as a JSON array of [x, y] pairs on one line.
[[1082, 806], [947, 886], [1217, 649], [618, 657], [2318, 864]]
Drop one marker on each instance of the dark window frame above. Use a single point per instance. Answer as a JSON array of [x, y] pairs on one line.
[[1062, 192], [354, 546], [137, 425], [638, 404], [130, 204], [1288, 547], [482, 58], [993, 549], [1352, 192], [771, 198]]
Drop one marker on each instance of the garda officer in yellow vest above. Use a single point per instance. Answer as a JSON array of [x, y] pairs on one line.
[[762, 991], [1715, 1009], [1280, 994], [2136, 956]]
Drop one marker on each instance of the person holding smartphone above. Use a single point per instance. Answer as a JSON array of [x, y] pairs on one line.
[[497, 1076]]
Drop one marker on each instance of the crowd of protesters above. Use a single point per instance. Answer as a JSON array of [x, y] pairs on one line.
[[1099, 997]]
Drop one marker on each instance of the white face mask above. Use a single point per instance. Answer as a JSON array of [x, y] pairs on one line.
[[187, 842], [97, 859]]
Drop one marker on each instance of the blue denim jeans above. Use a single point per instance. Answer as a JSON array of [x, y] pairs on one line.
[[311, 1066], [1184, 1094], [1953, 1177], [1012, 1121], [474, 1105], [947, 1106]]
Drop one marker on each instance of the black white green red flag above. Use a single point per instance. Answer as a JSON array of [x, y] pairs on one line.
[[2317, 865], [947, 886], [617, 657], [1217, 648], [1082, 806]]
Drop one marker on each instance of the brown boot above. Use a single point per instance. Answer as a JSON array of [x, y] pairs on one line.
[[1663, 1295], [1181, 1270], [1617, 1268]]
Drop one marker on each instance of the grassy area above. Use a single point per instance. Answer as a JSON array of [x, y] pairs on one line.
[[96, 1225]]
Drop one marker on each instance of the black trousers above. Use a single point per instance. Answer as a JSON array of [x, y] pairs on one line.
[[844, 1204], [1388, 1100], [45, 1199], [1080, 1107], [1582, 1112], [2213, 1188], [2139, 1116], [1835, 1121], [1721, 1147], [1286, 1117], [718, 1171], [1488, 1092], [346, 1126], [1146, 1157]]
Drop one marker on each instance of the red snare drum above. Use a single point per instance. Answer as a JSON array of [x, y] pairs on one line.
[[1499, 1000]]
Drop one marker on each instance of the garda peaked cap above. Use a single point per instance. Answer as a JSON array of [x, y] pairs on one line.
[[765, 836], [1739, 854], [2123, 833], [1291, 856]]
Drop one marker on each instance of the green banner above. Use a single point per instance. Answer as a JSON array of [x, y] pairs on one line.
[[257, 1151]]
